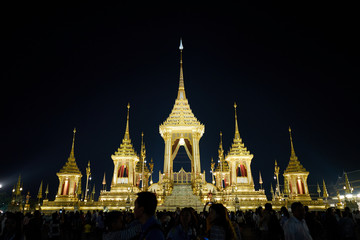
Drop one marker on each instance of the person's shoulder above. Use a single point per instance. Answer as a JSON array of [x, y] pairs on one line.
[[155, 232]]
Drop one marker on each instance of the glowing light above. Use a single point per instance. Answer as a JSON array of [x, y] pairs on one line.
[[349, 195], [182, 142], [0, 185]]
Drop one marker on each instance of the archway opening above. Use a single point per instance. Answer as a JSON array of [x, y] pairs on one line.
[[182, 160]]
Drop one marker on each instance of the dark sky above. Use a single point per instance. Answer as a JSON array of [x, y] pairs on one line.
[[78, 65]]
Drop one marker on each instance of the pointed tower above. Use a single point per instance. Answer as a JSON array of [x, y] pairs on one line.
[[239, 159], [260, 180], [348, 189], [142, 172], [295, 177], [69, 177], [125, 160], [104, 183], [222, 170], [39, 196], [325, 192], [181, 129], [46, 191]]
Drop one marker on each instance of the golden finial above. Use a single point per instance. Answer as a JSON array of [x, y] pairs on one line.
[[143, 150], [293, 156], [212, 164], [104, 180], [181, 92], [39, 196], [325, 192], [221, 150], [237, 134], [260, 179], [318, 189], [348, 188], [46, 191], [127, 133], [72, 156]]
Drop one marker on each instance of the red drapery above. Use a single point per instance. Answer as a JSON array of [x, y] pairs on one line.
[[300, 187], [241, 171], [123, 171], [65, 188]]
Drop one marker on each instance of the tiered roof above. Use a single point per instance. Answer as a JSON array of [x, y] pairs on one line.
[[237, 148], [126, 148], [294, 165], [70, 166]]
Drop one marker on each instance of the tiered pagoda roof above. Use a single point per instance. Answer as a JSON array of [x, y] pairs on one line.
[[70, 166]]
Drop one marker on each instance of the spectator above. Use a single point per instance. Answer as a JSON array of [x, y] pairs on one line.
[[218, 224], [145, 207], [331, 225], [295, 228], [347, 225], [284, 216], [115, 228], [54, 227], [185, 228], [12, 228]]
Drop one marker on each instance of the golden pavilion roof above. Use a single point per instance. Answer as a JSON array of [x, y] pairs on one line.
[[181, 113], [126, 148], [70, 166], [237, 148], [294, 165]]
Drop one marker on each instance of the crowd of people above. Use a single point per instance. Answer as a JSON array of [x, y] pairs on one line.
[[144, 222]]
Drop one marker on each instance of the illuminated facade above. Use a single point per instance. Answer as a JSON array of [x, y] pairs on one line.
[[232, 182]]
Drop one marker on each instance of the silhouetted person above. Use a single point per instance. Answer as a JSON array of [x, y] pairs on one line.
[[12, 228], [331, 225], [144, 211], [347, 225], [295, 228], [219, 226], [34, 227]]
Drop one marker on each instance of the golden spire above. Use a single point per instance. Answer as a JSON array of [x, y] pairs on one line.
[[294, 164], [260, 180], [141, 165], [46, 191], [222, 166], [127, 132], [348, 188], [325, 192], [72, 156], [181, 92], [143, 150], [221, 150], [126, 148], [70, 166], [39, 196], [318, 189], [104, 180], [18, 186], [293, 156], [237, 148], [237, 134]]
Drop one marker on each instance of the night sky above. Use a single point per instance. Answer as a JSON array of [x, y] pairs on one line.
[[78, 65]]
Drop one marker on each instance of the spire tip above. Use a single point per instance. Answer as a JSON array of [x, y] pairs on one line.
[[181, 47]]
